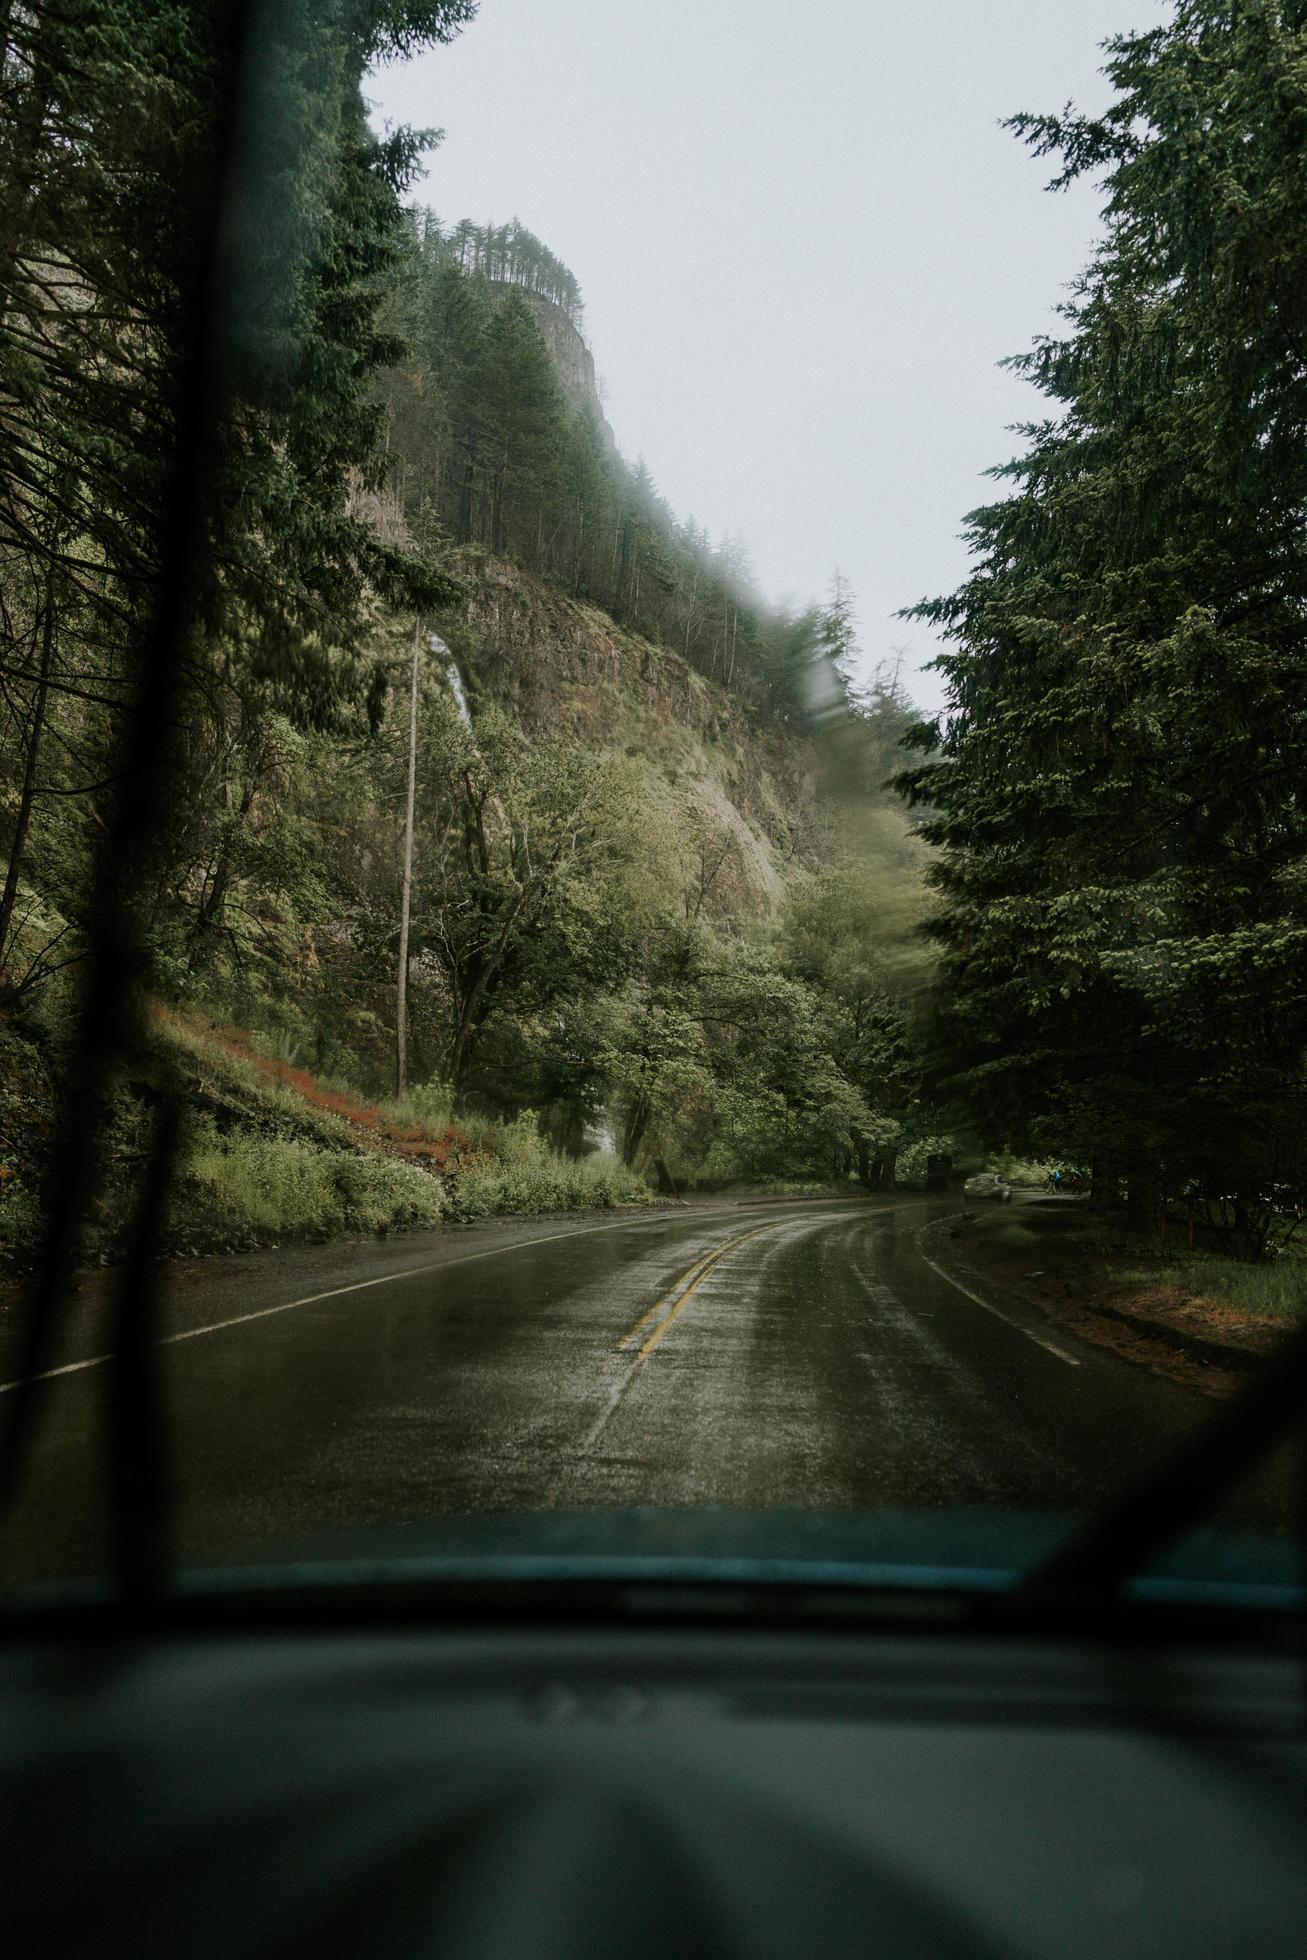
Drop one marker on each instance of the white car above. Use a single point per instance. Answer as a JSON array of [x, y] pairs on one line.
[[988, 1184]]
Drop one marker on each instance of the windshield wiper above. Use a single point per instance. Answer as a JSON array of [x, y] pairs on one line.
[[1128, 1536], [109, 1026]]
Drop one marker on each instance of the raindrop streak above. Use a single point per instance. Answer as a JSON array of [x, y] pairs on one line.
[[453, 676]]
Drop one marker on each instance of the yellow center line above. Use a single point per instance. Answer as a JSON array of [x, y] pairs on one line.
[[680, 1294], [670, 1298]]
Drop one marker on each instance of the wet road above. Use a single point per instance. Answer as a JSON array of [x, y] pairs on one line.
[[804, 1356]]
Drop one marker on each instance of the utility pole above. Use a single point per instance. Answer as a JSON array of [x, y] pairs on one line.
[[401, 979]]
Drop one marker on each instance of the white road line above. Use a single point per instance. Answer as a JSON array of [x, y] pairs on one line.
[[357, 1286], [332, 1293], [1040, 1340]]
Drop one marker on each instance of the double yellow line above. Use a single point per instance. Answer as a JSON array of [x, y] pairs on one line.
[[673, 1304]]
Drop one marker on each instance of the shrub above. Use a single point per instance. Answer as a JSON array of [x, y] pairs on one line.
[[525, 1175], [424, 1106], [20, 1222], [1026, 1173], [246, 1186], [379, 1192]]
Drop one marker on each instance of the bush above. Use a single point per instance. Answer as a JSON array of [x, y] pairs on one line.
[[20, 1222], [525, 1175], [424, 1106], [379, 1192], [249, 1187], [1026, 1173]]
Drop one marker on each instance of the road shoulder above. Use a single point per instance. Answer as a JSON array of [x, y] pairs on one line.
[[1035, 1270]]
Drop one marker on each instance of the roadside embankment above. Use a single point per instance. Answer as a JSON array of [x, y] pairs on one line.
[[270, 1156], [1195, 1318]]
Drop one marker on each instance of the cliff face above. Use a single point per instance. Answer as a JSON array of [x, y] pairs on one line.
[[573, 362], [562, 668]]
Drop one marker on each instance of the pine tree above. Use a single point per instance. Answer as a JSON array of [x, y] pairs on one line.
[[1116, 783]]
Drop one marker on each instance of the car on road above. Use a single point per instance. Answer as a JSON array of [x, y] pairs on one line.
[[988, 1184]]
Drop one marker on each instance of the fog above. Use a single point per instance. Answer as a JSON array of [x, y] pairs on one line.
[[804, 245]]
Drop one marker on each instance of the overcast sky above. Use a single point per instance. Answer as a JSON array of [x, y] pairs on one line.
[[803, 242]]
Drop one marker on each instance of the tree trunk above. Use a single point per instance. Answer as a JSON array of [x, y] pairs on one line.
[[497, 512], [624, 562], [406, 891], [465, 503], [1143, 1195], [210, 912], [23, 820], [580, 547], [637, 1122], [1102, 1184]]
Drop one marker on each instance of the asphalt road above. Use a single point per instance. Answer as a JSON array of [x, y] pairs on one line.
[[805, 1356]]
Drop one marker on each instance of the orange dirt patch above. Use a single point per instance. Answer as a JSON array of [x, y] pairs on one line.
[[448, 1149]]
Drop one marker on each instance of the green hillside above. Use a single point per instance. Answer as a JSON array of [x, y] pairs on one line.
[[660, 916]]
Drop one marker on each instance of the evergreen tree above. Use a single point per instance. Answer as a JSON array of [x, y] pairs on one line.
[[1116, 783]]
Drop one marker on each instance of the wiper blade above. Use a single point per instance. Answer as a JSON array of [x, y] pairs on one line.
[[140, 1483], [1127, 1538], [110, 1025]]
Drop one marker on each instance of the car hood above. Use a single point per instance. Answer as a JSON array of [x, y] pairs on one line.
[[970, 1549]]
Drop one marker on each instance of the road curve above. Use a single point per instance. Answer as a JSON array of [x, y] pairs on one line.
[[798, 1356]]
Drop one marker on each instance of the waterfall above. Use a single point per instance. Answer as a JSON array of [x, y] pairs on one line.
[[453, 676]]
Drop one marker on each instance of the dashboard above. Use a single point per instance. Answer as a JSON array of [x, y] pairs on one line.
[[545, 1789]]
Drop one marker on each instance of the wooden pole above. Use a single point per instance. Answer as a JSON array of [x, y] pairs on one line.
[[401, 978]]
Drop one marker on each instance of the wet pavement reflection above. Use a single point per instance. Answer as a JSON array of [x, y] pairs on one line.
[[805, 1357]]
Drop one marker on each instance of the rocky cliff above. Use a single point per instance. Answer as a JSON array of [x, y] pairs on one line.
[[561, 667], [573, 362]]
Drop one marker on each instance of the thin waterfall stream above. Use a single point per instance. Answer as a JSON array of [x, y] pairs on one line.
[[453, 676]]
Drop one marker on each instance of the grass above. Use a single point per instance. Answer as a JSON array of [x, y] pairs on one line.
[[243, 1188], [1275, 1289], [1004, 1233], [525, 1175], [1130, 1267]]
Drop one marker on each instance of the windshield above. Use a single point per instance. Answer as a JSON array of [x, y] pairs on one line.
[[593, 973]]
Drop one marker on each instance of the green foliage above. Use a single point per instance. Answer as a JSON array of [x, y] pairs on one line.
[[1025, 1173], [913, 1163], [595, 936], [526, 1176], [20, 1222], [1114, 786], [247, 1187], [512, 255], [114, 118]]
